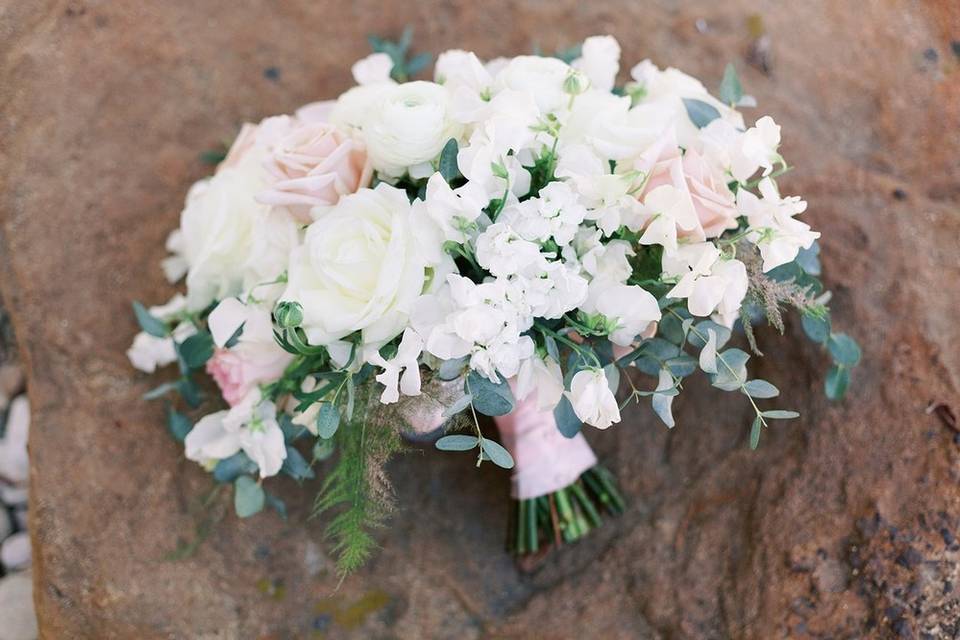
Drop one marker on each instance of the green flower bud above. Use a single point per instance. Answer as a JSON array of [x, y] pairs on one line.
[[288, 314], [575, 83]]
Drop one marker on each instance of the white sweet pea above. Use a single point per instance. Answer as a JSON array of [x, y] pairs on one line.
[[454, 210], [402, 370], [360, 268], [503, 252], [469, 83], [543, 377], [773, 228], [607, 196], [669, 208], [758, 149], [408, 125], [710, 283], [250, 426], [373, 69], [632, 308], [592, 400], [600, 61], [147, 353]]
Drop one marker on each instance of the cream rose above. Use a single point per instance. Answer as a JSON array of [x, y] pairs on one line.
[[407, 125], [359, 269]]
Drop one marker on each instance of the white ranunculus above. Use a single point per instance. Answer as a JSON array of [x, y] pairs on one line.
[[360, 268], [592, 400], [543, 377], [356, 106], [408, 125], [373, 69], [541, 77], [469, 83], [600, 61]]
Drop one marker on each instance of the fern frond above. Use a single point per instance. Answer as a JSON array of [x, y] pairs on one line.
[[358, 488]]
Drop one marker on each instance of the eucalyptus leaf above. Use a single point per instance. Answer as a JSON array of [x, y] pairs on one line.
[[663, 406], [448, 161], [701, 113], [497, 453], [703, 328], [149, 323], [276, 504], [458, 405], [809, 259], [682, 365], [248, 496], [295, 466], [328, 420], [731, 91], [612, 374], [755, 432], [836, 383], [780, 414], [844, 349], [189, 391], [452, 369], [457, 442], [817, 329], [731, 370], [708, 355], [760, 389], [567, 421], [323, 449], [196, 350], [489, 398], [178, 424], [229, 469]]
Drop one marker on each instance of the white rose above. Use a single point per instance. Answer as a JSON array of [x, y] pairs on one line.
[[408, 125], [541, 77], [229, 241], [592, 400], [359, 269], [600, 61]]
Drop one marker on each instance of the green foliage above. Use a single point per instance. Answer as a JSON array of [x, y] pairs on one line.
[[229, 469], [448, 166], [248, 496], [489, 398], [836, 383], [328, 420], [731, 91], [295, 466], [497, 454], [148, 322], [457, 442], [357, 488], [178, 424], [404, 66], [700, 113], [195, 351], [567, 421]]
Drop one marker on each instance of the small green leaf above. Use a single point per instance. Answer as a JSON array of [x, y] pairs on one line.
[[196, 350], [189, 391], [323, 449], [497, 454], [328, 420], [248, 496], [276, 504], [708, 355], [160, 391], [229, 469], [148, 322], [835, 385], [730, 88], [760, 389], [701, 113], [457, 442], [844, 349], [459, 405], [448, 161], [817, 329], [489, 398], [567, 421], [731, 370], [295, 466], [755, 433], [178, 424], [452, 369], [780, 414]]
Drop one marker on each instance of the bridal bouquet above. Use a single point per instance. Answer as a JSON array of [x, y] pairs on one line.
[[518, 238]]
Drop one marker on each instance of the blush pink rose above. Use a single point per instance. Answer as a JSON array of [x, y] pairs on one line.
[[238, 370], [314, 163], [692, 175]]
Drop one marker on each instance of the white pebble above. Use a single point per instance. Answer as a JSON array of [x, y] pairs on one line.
[[14, 496], [16, 603], [14, 463], [15, 552]]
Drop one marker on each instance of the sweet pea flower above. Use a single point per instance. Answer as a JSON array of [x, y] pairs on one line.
[[773, 227], [600, 61], [402, 370], [592, 399]]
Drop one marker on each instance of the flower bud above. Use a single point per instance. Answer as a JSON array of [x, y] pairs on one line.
[[288, 314], [575, 83]]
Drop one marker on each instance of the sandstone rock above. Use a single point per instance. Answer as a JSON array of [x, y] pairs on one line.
[[106, 108], [15, 552], [14, 463], [19, 622]]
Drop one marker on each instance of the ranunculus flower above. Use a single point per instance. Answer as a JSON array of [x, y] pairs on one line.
[[407, 125], [592, 399], [314, 164], [540, 77], [359, 269], [600, 61]]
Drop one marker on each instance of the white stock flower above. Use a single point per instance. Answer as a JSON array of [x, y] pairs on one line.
[[543, 377], [407, 125], [359, 269], [503, 252], [710, 283], [250, 426], [773, 228], [600, 61], [556, 213], [402, 370], [592, 399], [373, 69]]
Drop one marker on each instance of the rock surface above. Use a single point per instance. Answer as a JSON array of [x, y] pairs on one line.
[[843, 524]]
